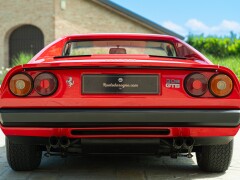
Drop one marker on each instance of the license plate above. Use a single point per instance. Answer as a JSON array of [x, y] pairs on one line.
[[120, 84]]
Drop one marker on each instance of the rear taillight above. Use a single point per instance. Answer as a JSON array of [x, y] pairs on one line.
[[220, 85], [45, 84], [196, 84], [21, 84]]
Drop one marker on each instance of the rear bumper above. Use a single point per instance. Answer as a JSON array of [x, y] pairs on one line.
[[119, 117], [119, 123]]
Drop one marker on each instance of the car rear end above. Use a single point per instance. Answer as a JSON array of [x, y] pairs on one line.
[[91, 110], [121, 104]]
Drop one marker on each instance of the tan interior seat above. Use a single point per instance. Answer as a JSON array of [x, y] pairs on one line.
[[117, 51]]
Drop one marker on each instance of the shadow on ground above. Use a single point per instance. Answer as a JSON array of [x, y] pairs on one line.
[[113, 167]]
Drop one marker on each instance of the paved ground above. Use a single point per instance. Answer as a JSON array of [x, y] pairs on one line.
[[137, 168]]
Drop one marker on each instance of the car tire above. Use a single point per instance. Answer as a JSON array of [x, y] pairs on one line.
[[215, 158], [23, 157]]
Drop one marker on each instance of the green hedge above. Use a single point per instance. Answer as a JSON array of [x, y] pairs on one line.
[[216, 46], [21, 58]]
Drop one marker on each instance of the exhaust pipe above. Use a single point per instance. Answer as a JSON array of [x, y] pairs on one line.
[[54, 141], [188, 142], [64, 142], [178, 143]]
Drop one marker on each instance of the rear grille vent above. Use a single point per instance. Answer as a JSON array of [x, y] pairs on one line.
[[121, 132]]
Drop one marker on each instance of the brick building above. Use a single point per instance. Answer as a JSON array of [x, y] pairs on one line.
[[29, 25]]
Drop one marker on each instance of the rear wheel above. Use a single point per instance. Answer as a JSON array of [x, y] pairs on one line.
[[23, 157], [215, 158]]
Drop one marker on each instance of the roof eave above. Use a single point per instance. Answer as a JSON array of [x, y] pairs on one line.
[[137, 18]]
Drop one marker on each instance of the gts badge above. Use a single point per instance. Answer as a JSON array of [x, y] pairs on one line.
[[173, 83]]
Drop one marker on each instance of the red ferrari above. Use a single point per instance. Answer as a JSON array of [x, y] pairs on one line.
[[120, 94]]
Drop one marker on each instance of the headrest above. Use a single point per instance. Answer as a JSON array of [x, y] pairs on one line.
[[117, 51]]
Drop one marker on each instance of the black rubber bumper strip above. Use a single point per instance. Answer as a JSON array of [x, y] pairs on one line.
[[119, 117]]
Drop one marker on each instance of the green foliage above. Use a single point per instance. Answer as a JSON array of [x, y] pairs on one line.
[[232, 63], [224, 51], [216, 46], [21, 58]]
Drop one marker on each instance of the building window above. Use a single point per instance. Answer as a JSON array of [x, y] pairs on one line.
[[27, 39]]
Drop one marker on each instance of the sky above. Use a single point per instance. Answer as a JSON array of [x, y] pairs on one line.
[[211, 17]]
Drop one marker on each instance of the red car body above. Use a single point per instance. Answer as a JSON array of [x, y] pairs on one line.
[[171, 113]]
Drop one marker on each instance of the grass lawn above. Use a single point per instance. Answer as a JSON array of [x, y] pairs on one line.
[[229, 62]]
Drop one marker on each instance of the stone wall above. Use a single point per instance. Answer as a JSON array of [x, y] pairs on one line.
[[85, 16], [50, 16], [15, 13]]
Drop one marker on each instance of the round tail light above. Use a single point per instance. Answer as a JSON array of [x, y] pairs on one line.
[[45, 84], [220, 85], [196, 84], [21, 84]]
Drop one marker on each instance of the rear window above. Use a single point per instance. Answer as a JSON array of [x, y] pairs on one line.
[[155, 48]]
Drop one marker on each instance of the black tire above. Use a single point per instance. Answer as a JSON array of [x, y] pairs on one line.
[[23, 157], [215, 158]]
